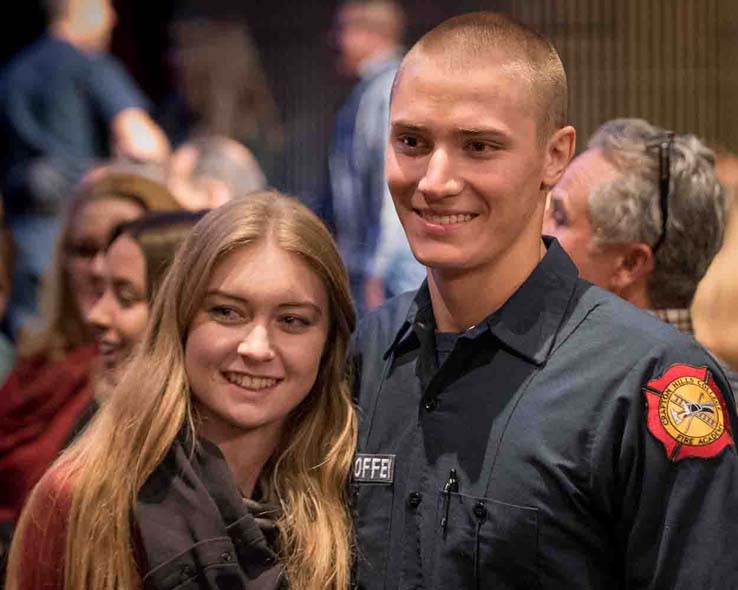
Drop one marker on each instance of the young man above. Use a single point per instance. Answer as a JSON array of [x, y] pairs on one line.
[[520, 427]]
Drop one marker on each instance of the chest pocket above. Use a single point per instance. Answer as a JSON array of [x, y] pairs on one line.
[[372, 508], [486, 544]]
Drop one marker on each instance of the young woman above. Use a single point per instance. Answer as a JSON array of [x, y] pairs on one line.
[[126, 280], [237, 399]]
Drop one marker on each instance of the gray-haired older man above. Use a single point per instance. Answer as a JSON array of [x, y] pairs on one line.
[[642, 214]]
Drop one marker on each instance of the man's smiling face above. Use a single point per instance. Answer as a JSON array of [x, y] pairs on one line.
[[464, 162]]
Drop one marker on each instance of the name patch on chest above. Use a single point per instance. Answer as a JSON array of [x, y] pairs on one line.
[[374, 468]]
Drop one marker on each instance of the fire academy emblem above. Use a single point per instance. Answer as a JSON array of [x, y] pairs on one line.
[[686, 413]]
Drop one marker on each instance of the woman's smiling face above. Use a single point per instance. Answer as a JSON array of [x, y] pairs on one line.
[[254, 347]]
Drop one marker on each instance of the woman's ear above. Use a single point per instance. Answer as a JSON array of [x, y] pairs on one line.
[[559, 152]]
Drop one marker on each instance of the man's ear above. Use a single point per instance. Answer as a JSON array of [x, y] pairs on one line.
[[634, 264], [559, 152]]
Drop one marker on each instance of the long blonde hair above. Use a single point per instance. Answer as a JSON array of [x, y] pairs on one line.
[[132, 433]]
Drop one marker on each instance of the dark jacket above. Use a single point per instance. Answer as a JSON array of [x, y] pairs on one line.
[[195, 531], [568, 440]]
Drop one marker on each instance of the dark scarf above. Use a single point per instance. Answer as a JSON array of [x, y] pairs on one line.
[[196, 531]]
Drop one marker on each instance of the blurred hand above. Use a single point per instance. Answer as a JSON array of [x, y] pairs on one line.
[[135, 135]]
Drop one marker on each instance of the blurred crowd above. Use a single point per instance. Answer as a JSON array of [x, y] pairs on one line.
[[99, 188]]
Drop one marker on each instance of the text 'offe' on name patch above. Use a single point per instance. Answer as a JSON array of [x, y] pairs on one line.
[[374, 468]]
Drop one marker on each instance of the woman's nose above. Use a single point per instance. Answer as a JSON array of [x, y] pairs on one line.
[[257, 345]]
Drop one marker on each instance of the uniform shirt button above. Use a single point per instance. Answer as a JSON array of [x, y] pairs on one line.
[[414, 499], [431, 404], [480, 510], [226, 556]]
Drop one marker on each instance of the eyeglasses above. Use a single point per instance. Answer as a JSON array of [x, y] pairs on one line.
[[665, 147]]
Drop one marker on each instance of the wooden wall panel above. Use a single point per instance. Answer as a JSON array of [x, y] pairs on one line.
[[672, 62]]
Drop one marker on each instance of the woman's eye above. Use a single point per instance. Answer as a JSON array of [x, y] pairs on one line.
[[295, 323], [127, 298], [223, 313]]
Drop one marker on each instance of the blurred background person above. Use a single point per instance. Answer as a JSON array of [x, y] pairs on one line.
[[65, 103], [715, 306], [50, 391], [642, 214], [368, 36], [221, 460], [207, 171], [128, 277], [221, 88]]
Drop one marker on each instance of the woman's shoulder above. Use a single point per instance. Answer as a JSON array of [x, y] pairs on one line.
[[40, 539], [49, 505]]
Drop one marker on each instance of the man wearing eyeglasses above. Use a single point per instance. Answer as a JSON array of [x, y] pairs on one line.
[[642, 214]]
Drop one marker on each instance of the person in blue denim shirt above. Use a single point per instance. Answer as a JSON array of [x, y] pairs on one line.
[[368, 35]]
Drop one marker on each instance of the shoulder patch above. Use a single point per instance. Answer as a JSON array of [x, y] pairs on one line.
[[687, 413]]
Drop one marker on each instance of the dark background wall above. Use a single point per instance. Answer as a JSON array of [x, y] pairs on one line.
[[674, 62]]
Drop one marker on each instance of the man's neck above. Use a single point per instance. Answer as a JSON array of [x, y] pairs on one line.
[[61, 30], [462, 299]]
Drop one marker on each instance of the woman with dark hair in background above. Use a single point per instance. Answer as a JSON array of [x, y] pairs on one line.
[[130, 274]]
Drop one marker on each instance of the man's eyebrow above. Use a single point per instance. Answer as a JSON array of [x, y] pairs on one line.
[[407, 126], [483, 132]]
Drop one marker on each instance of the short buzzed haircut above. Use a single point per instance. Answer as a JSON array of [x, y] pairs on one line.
[[491, 38]]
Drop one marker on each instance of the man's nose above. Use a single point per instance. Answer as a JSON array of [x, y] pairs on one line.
[[256, 345], [440, 179]]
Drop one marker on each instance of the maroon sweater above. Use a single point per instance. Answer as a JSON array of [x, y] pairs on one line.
[[40, 405]]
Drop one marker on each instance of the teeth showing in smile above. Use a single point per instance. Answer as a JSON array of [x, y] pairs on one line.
[[446, 219], [249, 382]]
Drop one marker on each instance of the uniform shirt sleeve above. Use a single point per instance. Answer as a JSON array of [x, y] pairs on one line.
[[674, 520]]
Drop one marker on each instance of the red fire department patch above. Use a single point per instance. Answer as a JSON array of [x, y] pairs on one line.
[[687, 413]]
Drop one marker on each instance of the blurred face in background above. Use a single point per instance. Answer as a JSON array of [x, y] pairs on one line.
[[119, 316], [354, 40], [568, 218], [92, 22], [89, 233]]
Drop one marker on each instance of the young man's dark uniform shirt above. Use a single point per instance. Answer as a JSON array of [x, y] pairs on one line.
[[566, 441]]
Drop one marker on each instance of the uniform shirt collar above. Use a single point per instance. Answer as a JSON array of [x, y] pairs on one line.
[[527, 323]]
